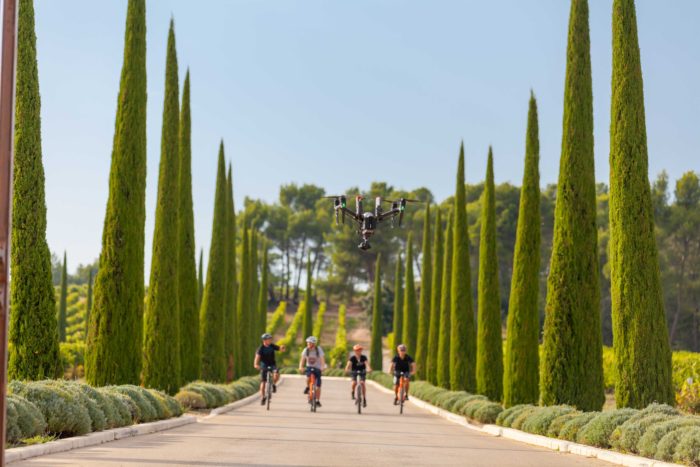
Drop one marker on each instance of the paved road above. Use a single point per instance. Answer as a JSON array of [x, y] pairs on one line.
[[290, 435]]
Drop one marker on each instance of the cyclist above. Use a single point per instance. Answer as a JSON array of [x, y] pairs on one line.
[[312, 361], [265, 361], [402, 364], [358, 364]]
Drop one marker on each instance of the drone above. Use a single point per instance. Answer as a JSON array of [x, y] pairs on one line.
[[368, 222]]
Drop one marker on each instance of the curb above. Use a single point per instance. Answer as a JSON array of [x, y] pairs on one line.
[[94, 439], [234, 405], [535, 440]]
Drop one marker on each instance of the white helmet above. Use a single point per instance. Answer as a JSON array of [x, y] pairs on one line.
[[311, 340]]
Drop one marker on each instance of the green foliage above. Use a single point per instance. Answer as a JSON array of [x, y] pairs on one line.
[[688, 448], [277, 319], [688, 398], [409, 333], [377, 331], [319, 321], [540, 422], [626, 436], [188, 289], [24, 419], [72, 358], [463, 335], [253, 326], [443, 353], [558, 423], [307, 324], [339, 352], [262, 293], [435, 296], [569, 431], [397, 327], [230, 294], [597, 432], [421, 350], [202, 395], [34, 350], [521, 372], [63, 301], [643, 355], [489, 347], [572, 368], [243, 338], [290, 337], [211, 320], [650, 441], [161, 351], [200, 279], [88, 306]]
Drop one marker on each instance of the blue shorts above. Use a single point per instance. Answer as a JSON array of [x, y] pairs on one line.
[[362, 373], [315, 371], [397, 377], [265, 368]]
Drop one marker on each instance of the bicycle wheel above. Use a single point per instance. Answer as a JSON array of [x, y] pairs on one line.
[[358, 396], [402, 396], [268, 389]]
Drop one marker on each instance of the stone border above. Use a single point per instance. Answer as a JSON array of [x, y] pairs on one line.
[[535, 440]]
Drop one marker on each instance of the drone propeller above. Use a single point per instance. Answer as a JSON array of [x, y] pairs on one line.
[[403, 199]]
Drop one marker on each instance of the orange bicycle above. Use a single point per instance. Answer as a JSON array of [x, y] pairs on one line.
[[403, 390], [313, 388]]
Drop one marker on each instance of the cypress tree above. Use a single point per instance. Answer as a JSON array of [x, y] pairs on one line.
[[489, 345], [253, 300], [212, 314], [640, 334], [188, 292], [161, 354], [262, 293], [377, 331], [88, 305], [115, 333], [521, 372], [424, 303], [230, 300], [34, 351], [443, 353], [410, 314], [307, 325], [397, 323], [463, 335], [200, 279], [572, 369], [63, 301], [243, 339], [435, 291]]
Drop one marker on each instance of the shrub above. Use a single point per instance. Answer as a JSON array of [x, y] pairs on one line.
[[339, 353], [24, 419], [626, 436], [487, 412], [382, 378], [446, 399], [688, 398], [191, 400], [538, 423], [470, 408], [97, 416], [518, 421], [169, 406], [571, 428], [559, 422], [277, 318], [122, 406], [685, 365], [461, 404], [649, 442], [667, 446], [506, 417], [688, 448], [146, 412], [157, 401], [597, 432], [63, 412]]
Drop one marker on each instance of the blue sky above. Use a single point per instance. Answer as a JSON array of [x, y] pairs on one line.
[[341, 93]]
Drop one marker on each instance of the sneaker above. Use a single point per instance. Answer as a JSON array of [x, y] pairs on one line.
[[405, 398], [364, 403], [274, 388], [396, 401], [263, 400], [318, 403], [306, 390]]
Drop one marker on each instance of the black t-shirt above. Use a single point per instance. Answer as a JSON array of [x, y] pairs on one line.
[[402, 365], [359, 365], [267, 354]]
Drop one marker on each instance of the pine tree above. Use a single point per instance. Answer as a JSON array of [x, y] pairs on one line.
[[308, 325], [262, 293], [489, 346], [397, 323], [435, 292], [115, 336], [243, 339], [640, 334], [443, 353], [212, 315], [410, 314], [572, 369], [188, 292], [200, 279], [63, 301], [88, 304], [521, 372], [422, 350], [230, 300], [463, 335], [161, 354], [34, 341], [377, 331]]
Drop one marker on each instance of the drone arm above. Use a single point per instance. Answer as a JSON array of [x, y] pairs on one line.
[[387, 215], [350, 213]]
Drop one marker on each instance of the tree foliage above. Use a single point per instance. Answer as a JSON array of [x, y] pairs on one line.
[[377, 331], [435, 295], [422, 350], [409, 332]]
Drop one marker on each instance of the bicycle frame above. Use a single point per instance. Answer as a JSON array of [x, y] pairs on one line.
[[312, 391], [403, 383], [359, 393], [268, 388]]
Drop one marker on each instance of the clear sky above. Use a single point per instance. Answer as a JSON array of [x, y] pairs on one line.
[[341, 93]]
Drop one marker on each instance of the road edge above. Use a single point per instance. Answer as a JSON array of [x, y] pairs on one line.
[[534, 440]]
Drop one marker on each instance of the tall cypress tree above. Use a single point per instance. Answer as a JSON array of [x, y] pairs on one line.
[[253, 300], [410, 314], [521, 372], [188, 291], [200, 279], [230, 300], [88, 304], [34, 350], [443, 353], [435, 292], [307, 325], [422, 350], [463, 335], [377, 330], [640, 335], [161, 354], [115, 335], [262, 293], [397, 323], [572, 369], [212, 313], [489, 346], [63, 301], [243, 305]]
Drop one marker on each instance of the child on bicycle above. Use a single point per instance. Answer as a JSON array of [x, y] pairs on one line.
[[402, 365], [358, 364], [265, 362], [312, 361]]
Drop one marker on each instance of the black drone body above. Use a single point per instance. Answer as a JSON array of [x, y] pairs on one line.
[[367, 222]]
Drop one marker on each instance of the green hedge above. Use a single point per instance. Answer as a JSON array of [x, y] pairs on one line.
[[202, 395], [339, 352], [290, 336], [277, 319]]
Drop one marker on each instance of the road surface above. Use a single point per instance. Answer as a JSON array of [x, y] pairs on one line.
[[290, 435]]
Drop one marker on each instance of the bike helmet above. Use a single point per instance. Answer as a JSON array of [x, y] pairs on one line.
[[311, 340], [402, 347], [266, 336], [357, 347]]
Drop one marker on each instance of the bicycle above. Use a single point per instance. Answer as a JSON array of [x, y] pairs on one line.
[[403, 382], [359, 394], [312, 391], [268, 388]]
